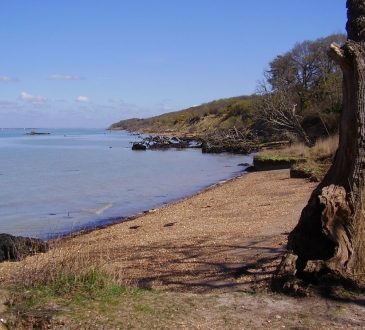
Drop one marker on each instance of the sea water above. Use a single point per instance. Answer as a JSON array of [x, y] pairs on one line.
[[74, 179]]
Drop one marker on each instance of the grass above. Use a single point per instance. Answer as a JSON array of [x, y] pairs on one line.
[[67, 289], [65, 266], [312, 162], [325, 148], [95, 301], [89, 284], [64, 286], [277, 157], [75, 297]]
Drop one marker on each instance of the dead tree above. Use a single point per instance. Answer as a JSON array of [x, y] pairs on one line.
[[279, 112], [330, 235]]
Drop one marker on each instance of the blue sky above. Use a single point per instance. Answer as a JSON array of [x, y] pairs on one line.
[[89, 63]]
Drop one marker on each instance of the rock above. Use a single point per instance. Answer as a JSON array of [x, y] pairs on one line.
[[164, 142], [250, 169], [300, 173], [271, 164], [13, 248], [160, 145], [195, 144], [138, 146]]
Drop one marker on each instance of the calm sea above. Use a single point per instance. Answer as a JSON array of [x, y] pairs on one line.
[[74, 179]]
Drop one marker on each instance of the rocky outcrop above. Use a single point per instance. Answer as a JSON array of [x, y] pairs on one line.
[[208, 145], [13, 248], [164, 142], [138, 146]]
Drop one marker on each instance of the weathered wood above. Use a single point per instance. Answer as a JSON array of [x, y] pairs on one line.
[[330, 234]]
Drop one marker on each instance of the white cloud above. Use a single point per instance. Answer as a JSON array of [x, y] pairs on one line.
[[64, 77], [34, 99], [83, 99], [7, 79]]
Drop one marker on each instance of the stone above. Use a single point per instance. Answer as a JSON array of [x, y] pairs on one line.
[[138, 146], [13, 248]]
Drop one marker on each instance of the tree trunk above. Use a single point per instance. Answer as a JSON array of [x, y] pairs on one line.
[[331, 231]]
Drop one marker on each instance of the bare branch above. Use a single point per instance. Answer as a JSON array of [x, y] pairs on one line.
[[279, 112]]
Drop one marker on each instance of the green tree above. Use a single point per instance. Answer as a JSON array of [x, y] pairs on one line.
[[302, 82], [306, 71]]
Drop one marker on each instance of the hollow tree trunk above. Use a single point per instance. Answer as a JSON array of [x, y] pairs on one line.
[[330, 233]]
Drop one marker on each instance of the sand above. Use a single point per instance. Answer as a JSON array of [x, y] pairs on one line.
[[223, 238], [210, 257]]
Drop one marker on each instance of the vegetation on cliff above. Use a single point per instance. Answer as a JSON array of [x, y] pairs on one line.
[[220, 114], [299, 98]]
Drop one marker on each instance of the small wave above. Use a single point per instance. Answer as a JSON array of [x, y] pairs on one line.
[[101, 209]]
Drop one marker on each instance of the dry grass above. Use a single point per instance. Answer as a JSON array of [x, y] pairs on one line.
[[71, 262], [299, 150], [323, 148], [314, 161]]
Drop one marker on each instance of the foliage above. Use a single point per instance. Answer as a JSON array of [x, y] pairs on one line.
[[304, 82], [300, 97], [309, 73], [218, 115]]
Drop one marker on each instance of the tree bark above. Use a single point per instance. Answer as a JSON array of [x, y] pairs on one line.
[[330, 234]]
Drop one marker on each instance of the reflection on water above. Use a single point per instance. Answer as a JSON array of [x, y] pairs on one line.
[[53, 184]]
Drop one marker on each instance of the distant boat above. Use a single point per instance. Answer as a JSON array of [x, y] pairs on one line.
[[37, 133]]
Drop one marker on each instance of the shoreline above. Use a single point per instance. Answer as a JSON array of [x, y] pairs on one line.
[[193, 264], [130, 195], [196, 244], [120, 220]]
